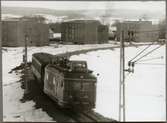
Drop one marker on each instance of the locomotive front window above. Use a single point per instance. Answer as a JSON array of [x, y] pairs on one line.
[[79, 66]]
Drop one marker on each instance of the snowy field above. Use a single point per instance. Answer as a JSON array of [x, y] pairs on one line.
[[145, 88]]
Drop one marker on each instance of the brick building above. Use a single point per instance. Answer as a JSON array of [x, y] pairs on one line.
[[84, 32], [138, 31], [14, 31]]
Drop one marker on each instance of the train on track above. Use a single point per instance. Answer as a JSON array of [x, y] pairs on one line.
[[68, 82]]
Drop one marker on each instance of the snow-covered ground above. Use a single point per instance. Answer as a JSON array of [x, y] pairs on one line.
[[13, 109], [145, 88]]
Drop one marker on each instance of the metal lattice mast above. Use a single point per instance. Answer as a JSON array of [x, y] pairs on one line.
[[122, 80]]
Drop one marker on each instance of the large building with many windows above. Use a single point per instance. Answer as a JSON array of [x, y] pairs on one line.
[[84, 32], [14, 32], [137, 31]]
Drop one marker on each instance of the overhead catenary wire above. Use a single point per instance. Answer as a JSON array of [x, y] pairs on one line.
[[151, 63], [142, 51], [133, 61], [161, 57], [147, 53]]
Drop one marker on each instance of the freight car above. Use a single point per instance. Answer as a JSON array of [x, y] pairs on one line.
[[39, 61], [69, 83]]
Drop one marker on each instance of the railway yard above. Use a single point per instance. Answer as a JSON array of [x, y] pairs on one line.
[[42, 101], [59, 114], [25, 107], [83, 61]]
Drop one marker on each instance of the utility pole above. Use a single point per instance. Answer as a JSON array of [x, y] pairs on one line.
[[166, 64], [25, 65], [122, 79]]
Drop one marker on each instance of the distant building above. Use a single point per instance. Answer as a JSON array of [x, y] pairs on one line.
[[84, 32], [14, 31], [138, 31], [103, 34], [112, 32], [55, 27], [162, 29], [51, 34], [55, 32]]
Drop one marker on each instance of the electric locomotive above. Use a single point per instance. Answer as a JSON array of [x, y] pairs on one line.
[[69, 83]]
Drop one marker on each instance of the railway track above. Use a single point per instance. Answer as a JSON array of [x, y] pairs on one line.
[[97, 117], [87, 116]]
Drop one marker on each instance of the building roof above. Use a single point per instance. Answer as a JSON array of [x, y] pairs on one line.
[[11, 19], [82, 21], [137, 22]]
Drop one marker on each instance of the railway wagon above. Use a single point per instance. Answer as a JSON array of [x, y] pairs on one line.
[[39, 61], [71, 85]]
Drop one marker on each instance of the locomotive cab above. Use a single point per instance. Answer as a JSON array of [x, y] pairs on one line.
[[82, 85], [71, 86]]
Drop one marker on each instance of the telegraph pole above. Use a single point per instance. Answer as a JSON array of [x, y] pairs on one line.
[[122, 80], [25, 65]]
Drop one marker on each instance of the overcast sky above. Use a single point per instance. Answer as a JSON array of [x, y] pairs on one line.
[[76, 5]]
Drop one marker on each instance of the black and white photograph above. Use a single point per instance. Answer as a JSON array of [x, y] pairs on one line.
[[83, 61]]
